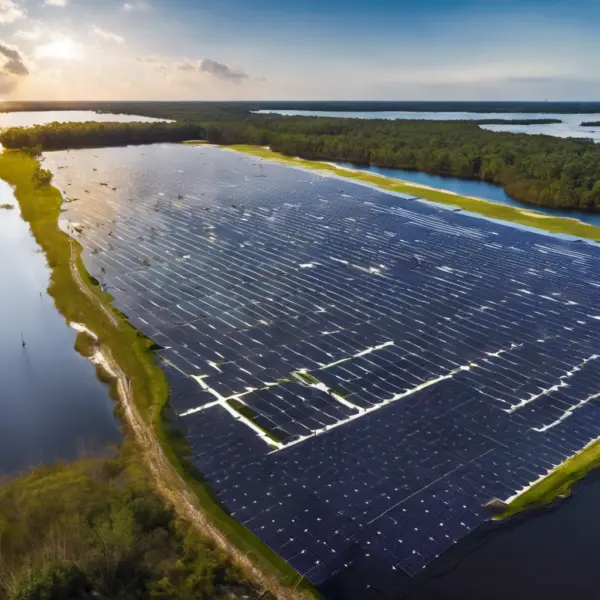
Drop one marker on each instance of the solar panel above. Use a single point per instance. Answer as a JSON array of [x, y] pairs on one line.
[[357, 373]]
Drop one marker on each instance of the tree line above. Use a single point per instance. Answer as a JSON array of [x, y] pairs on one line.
[[536, 169], [62, 136], [243, 107]]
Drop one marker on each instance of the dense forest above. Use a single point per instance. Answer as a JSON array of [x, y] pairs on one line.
[[61, 136], [244, 106], [535, 169], [544, 170], [96, 529]]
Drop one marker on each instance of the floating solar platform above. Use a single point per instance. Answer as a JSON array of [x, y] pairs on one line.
[[358, 373]]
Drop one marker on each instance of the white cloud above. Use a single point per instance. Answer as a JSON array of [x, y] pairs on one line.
[[33, 34], [137, 5], [61, 47], [108, 36], [9, 11], [55, 2]]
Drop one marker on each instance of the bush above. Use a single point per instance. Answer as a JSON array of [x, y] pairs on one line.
[[55, 582]]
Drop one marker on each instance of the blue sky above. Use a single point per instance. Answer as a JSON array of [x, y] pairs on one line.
[[307, 49]]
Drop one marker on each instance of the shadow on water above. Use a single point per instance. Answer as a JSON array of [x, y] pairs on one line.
[[53, 407]]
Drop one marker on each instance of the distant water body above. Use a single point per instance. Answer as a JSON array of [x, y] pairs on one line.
[[31, 118], [569, 128], [52, 406]]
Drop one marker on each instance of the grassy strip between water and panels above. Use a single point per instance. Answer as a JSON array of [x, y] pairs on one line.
[[40, 206], [558, 483], [561, 479], [501, 212]]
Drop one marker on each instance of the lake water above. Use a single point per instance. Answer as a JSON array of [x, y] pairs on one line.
[[28, 119], [549, 554], [51, 403], [570, 126], [479, 189]]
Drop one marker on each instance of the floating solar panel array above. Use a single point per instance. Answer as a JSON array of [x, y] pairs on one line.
[[358, 373]]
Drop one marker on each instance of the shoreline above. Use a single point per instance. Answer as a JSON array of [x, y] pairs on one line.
[[424, 186], [126, 358], [508, 214], [558, 481]]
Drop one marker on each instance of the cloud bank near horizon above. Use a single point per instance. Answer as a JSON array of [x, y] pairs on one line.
[[135, 49]]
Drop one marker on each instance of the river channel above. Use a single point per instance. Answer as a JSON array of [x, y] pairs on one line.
[[52, 405], [478, 189]]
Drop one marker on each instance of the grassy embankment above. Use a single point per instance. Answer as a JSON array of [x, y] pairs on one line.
[[564, 476], [40, 206], [558, 483], [502, 212]]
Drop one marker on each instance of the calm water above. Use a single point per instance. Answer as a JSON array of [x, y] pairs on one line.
[[51, 403], [28, 119], [550, 554], [570, 126], [479, 189]]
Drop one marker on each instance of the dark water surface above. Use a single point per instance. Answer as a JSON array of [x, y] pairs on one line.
[[549, 554], [52, 406], [479, 189]]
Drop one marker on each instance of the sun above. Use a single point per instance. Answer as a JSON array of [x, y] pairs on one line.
[[62, 48]]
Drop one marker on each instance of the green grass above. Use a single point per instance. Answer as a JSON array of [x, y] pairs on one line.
[[492, 210], [306, 377], [85, 344], [40, 207], [195, 142], [250, 414], [558, 483]]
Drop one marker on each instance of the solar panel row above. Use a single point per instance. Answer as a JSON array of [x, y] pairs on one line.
[[358, 373]]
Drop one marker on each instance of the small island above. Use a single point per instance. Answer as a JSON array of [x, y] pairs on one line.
[[6, 206], [590, 124]]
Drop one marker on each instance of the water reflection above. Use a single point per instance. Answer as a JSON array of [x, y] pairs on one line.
[[51, 403], [479, 189], [31, 118]]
